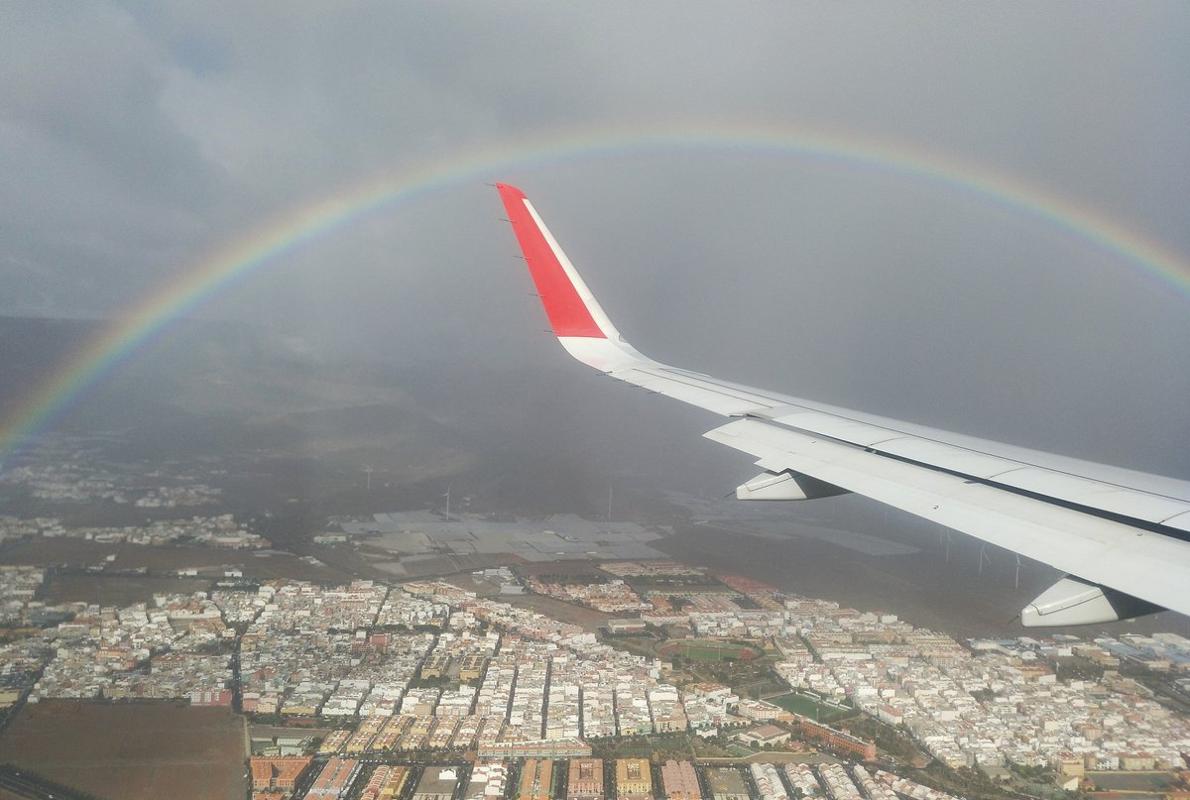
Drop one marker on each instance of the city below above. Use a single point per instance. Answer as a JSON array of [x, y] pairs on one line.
[[587, 679], [154, 644]]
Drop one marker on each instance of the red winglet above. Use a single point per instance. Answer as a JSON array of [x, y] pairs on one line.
[[568, 314]]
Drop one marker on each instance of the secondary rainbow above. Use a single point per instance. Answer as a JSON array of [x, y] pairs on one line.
[[224, 266]]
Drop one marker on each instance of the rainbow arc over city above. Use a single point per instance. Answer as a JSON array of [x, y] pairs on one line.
[[222, 267]]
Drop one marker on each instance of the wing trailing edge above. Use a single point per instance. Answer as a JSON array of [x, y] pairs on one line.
[[1122, 535]]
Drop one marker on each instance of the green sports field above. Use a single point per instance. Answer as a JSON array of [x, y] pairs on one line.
[[706, 650], [808, 707]]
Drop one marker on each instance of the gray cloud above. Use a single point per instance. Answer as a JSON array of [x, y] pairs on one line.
[[134, 138]]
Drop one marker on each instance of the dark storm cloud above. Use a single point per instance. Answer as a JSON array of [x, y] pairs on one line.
[[135, 137]]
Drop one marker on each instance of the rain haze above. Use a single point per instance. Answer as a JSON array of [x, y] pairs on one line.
[[972, 217]]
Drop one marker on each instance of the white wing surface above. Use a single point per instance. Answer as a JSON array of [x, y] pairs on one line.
[[1121, 536]]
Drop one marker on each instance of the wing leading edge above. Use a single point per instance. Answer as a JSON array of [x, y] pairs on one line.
[[1122, 536]]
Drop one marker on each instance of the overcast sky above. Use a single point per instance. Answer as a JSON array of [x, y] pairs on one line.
[[135, 138]]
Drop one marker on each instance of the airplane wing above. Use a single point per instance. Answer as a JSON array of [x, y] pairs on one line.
[[1122, 537]]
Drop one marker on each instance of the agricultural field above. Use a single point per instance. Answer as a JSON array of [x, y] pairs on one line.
[[683, 584], [116, 590], [78, 553], [124, 750], [1132, 781]]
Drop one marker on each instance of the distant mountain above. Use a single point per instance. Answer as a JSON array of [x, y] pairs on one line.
[[207, 389]]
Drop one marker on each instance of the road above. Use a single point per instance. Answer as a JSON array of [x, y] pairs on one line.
[[28, 785]]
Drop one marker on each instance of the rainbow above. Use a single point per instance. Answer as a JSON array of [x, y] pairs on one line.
[[222, 267]]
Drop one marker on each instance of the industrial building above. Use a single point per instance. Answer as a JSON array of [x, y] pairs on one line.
[[764, 736]]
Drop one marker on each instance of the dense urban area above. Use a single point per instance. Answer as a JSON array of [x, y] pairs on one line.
[[570, 674], [442, 687]]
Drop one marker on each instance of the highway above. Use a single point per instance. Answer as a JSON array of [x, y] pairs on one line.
[[30, 785]]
